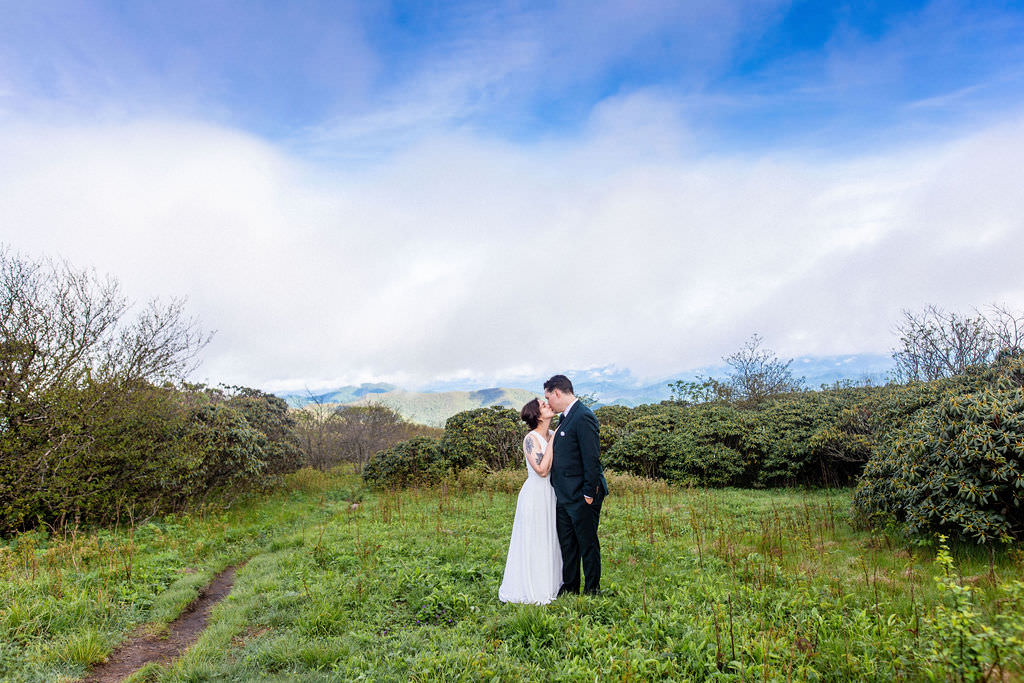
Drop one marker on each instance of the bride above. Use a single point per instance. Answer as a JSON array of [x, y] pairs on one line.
[[533, 569]]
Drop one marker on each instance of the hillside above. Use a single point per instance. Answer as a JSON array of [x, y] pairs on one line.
[[434, 408]]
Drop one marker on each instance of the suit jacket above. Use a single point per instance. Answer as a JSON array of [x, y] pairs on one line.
[[576, 470]]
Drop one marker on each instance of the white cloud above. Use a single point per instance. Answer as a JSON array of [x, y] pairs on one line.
[[463, 256]]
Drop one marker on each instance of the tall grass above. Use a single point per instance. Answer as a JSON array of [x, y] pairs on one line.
[[343, 584], [68, 595]]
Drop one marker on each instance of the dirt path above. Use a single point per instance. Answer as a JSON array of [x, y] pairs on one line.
[[141, 649]]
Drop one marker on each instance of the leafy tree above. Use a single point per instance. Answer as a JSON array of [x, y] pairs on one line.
[[701, 390], [756, 374], [79, 366]]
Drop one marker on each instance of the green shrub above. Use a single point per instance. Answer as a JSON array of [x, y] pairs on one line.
[[713, 448], [956, 467], [477, 442], [416, 462], [784, 428], [222, 450], [711, 464], [959, 637], [643, 444], [612, 419], [142, 448], [88, 464], [843, 445], [700, 445], [642, 453], [814, 437], [492, 437], [269, 415]]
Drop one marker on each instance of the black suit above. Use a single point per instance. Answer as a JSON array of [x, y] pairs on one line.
[[575, 473]]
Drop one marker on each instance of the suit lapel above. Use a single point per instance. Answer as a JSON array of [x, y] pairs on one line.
[[569, 420]]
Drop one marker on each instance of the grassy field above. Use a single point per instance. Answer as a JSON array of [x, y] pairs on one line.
[[342, 584]]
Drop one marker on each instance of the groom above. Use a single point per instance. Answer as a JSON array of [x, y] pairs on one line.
[[579, 486]]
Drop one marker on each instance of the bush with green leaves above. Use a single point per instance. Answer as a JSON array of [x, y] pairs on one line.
[[418, 461], [489, 439], [221, 450], [269, 415], [813, 437], [954, 467], [643, 445], [612, 419], [492, 437], [87, 464], [714, 447], [144, 448], [95, 417], [700, 445], [958, 639]]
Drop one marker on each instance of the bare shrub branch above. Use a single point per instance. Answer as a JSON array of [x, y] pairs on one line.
[[935, 343]]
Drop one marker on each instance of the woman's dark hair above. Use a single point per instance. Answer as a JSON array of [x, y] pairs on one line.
[[531, 413]]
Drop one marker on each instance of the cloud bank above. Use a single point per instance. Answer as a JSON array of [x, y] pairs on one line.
[[463, 254]]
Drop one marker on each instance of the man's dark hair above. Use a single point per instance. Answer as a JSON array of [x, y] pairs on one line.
[[531, 413], [560, 382]]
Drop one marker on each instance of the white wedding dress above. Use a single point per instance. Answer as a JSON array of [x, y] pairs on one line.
[[533, 569]]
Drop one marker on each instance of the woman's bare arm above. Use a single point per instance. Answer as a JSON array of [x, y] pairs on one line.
[[539, 461], [549, 456]]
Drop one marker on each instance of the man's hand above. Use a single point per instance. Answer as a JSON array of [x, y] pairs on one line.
[[588, 499]]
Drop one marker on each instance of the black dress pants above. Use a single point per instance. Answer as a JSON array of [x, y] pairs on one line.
[[576, 524]]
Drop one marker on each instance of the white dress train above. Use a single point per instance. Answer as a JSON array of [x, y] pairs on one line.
[[533, 569]]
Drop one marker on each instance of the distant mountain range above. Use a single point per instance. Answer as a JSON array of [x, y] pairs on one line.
[[435, 403], [433, 408], [298, 399], [424, 407]]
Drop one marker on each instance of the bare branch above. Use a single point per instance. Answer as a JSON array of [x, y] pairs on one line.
[[936, 343]]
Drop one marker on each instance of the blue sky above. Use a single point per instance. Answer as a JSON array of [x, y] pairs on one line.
[[766, 74], [783, 167]]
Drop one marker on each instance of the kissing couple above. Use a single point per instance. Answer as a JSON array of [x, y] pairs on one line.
[[557, 511]]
